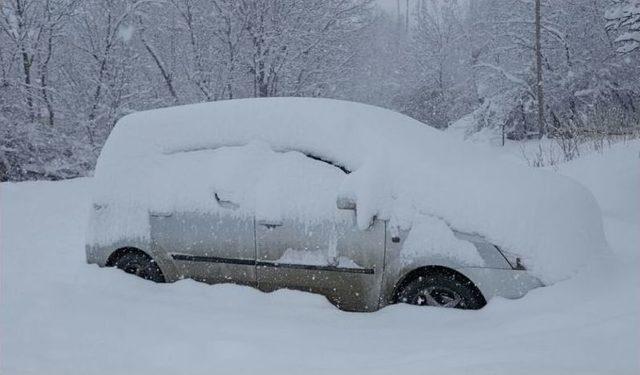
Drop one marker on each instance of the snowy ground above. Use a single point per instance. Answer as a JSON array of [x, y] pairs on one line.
[[59, 315]]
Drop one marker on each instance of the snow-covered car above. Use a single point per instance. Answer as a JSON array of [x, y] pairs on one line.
[[358, 203]]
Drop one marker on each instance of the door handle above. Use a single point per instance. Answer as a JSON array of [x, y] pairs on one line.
[[270, 224], [160, 214]]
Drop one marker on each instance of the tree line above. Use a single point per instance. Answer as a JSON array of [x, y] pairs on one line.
[[69, 69]]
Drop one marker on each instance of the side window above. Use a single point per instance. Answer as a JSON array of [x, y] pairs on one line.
[[318, 158], [296, 185], [255, 178]]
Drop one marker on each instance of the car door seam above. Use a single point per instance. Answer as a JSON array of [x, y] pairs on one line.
[[256, 263]]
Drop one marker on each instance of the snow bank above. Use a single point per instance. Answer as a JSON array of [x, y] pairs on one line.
[[612, 176], [401, 168], [59, 315]]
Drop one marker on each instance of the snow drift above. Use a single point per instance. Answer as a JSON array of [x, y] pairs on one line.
[[401, 170]]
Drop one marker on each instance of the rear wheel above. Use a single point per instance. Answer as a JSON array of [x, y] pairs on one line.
[[440, 289], [140, 264]]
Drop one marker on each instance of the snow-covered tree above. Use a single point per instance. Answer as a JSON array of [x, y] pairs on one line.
[[624, 19], [69, 69]]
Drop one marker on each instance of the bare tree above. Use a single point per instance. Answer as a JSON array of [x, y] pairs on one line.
[[69, 69], [539, 73]]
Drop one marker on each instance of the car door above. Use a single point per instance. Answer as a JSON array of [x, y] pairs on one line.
[[305, 242], [198, 220], [215, 246]]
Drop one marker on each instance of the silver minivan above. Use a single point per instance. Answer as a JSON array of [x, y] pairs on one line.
[[363, 271]]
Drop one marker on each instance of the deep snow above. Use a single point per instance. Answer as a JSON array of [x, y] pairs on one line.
[[59, 315]]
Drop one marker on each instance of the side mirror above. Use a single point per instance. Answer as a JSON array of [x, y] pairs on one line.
[[345, 203]]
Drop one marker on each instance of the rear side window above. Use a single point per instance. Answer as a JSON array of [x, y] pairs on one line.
[[323, 160]]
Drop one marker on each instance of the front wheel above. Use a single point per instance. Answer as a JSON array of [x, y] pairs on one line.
[[141, 265], [442, 290]]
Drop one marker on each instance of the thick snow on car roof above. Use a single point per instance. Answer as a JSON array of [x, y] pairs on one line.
[[402, 171]]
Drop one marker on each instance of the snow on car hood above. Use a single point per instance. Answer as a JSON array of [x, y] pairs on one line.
[[401, 169]]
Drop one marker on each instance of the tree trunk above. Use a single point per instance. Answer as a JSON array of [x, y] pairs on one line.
[[406, 19], [26, 65], [168, 80], [44, 79], [539, 78], [26, 60], [102, 71]]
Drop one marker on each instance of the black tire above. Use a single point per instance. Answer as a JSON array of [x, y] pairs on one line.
[[441, 289], [140, 264]]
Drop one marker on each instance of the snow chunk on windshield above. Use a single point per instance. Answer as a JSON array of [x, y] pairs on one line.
[[432, 236]]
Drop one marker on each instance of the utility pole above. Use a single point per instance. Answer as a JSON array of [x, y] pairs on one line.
[[539, 78]]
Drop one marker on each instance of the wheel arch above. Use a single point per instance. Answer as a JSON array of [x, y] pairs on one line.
[[426, 270], [118, 253]]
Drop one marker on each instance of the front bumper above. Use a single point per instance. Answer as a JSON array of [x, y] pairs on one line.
[[504, 283]]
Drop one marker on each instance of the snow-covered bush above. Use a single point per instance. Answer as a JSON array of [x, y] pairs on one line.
[[34, 151]]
